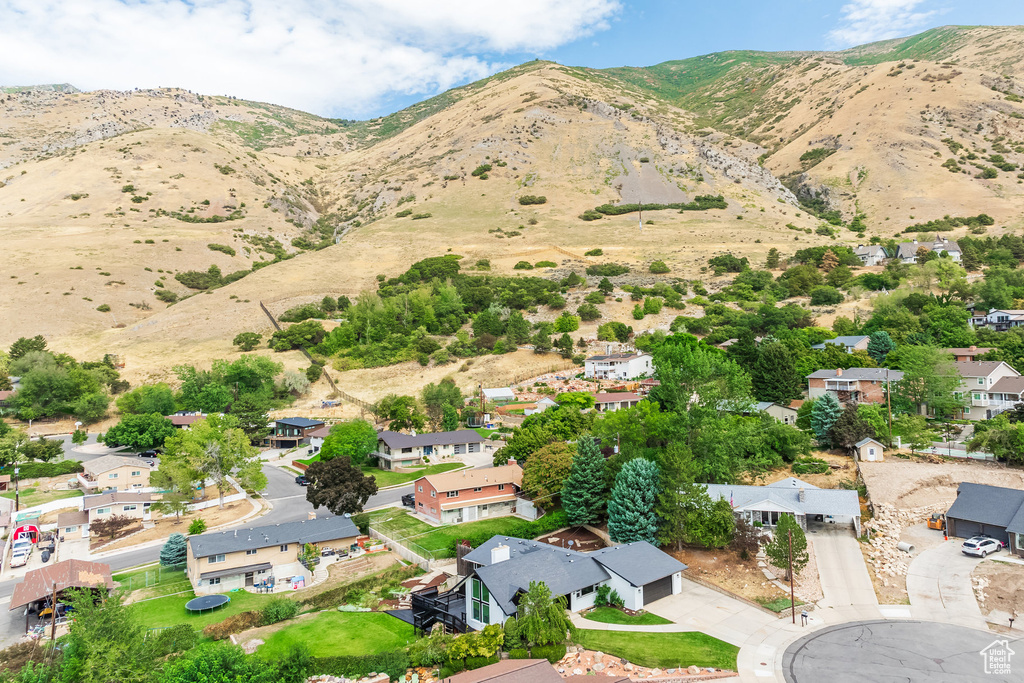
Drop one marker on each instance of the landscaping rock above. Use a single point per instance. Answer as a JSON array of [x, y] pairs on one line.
[[599, 667], [692, 669]]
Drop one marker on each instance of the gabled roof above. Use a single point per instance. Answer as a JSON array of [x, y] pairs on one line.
[[77, 518], [874, 374], [399, 440], [868, 440], [968, 350], [978, 368], [870, 250], [512, 671], [1008, 385], [115, 498], [617, 397], [299, 422], [112, 462], [320, 433], [993, 505], [184, 420], [304, 531], [620, 357], [472, 478], [638, 562], [765, 405], [908, 249], [786, 493], [39, 583]]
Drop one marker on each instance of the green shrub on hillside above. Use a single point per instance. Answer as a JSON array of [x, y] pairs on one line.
[[607, 270], [659, 267], [223, 248], [528, 199]]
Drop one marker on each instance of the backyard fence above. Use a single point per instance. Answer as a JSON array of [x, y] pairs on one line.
[[406, 547], [164, 580]]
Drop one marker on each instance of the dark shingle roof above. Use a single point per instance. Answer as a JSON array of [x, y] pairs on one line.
[[305, 531], [562, 570], [849, 340], [638, 562], [994, 505], [299, 422], [39, 583], [512, 671], [399, 440], [976, 368]]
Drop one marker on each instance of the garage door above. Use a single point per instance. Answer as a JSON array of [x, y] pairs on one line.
[[965, 529], [655, 590]]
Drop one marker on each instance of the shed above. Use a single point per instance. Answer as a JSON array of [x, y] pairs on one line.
[[869, 450], [39, 583]]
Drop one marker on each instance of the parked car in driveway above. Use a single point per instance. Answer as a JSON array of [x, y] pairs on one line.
[[147, 454], [980, 546], [301, 480], [409, 500]]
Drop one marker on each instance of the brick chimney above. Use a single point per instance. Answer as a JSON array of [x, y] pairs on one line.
[[973, 348], [512, 461], [802, 495], [839, 372]]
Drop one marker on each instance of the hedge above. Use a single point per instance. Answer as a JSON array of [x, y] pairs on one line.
[[480, 662], [545, 525], [552, 653], [393, 662], [518, 653], [33, 470]]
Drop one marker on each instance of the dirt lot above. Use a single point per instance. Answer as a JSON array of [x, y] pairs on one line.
[[165, 526], [999, 589], [843, 470], [725, 569], [908, 484], [581, 540]]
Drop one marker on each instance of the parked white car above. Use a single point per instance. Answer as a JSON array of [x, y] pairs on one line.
[[19, 557], [980, 546]]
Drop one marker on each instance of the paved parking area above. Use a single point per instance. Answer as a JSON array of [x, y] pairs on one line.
[[698, 608], [939, 585], [844, 576]]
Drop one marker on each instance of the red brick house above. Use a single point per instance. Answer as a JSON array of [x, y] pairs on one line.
[[468, 495], [852, 385]]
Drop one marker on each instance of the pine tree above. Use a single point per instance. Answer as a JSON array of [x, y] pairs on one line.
[[605, 286], [517, 329], [584, 490], [541, 341], [777, 549], [829, 261], [824, 414], [774, 376], [174, 550], [772, 262], [564, 345], [450, 419], [880, 345], [631, 508], [677, 487]]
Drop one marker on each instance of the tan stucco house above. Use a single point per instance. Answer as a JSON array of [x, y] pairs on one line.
[[114, 472]]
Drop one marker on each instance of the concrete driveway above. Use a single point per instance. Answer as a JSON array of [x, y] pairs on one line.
[[939, 586], [698, 608], [844, 576]]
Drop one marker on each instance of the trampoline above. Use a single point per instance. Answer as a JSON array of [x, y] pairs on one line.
[[206, 602]]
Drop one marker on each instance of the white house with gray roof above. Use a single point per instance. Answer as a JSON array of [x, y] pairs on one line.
[[763, 505], [857, 342], [502, 568], [395, 449], [870, 254]]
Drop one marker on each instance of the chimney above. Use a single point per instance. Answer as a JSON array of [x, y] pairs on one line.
[[802, 495], [973, 348], [499, 553], [839, 372], [311, 515], [512, 461]]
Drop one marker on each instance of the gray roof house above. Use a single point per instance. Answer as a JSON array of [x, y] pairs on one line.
[[995, 511], [304, 531], [807, 503], [395, 449], [870, 254], [906, 252], [852, 343], [501, 569]]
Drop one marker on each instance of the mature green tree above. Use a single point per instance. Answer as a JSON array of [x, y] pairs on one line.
[[43, 450], [250, 409], [778, 551], [605, 286], [824, 414], [583, 493], [875, 415], [567, 322], [449, 419], [437, 396], [541, 341], [697, 378], [930, 378], [579, 399], [774, 376], [542, 620], [676, 479], [214, 449], [355, 439], [880, 345], [173, 502], [79, 436], [13, 445], [173, 551], [218, 663], [517, 329], [545, 473], [25, 345], [247, 341], [106, 642], [149, 398], [140, 432], [339, 486], [565, 346], [849, 429], [706, 523], [401, 411], [631, 515], [201, 390]]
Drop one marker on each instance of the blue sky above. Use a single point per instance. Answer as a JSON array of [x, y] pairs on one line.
[[362, 58]]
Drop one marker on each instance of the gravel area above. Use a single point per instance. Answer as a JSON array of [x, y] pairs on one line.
[[908, 484]]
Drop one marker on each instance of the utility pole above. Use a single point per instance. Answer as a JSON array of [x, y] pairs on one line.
[[792, 593], [888, 402], [53, 614], [16, 499]]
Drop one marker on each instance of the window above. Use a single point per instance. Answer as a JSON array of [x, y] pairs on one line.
[[250, 551], [215, 582], [977, 397], [136, 473], [102, 511], [501, 487], [981, 381], [129, 508], [284, 548], [112, 476], [214, 559], [587, 591], [419, 504], [478, 489], [871, 451], [407, 450], [433, 494], [419, 489], [452, 494], [433, 509], [69, 529], [481, 602]]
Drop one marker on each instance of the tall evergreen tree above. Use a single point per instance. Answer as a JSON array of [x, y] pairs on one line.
[[584, 490], [174, 550], [631, 515], [541, 341], [517, 329], [880, 345], [677, 487], [774, 376], [450, 419], [824, 414], [565, 346], [849, 429]]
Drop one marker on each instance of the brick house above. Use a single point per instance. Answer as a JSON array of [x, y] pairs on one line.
[[468, 495], [114, 472], [292, 432], [852, 385]]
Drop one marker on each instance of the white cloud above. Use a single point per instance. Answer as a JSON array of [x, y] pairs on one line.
[[330, 57], [864, 21]]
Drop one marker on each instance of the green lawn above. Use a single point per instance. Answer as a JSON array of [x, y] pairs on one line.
[[665, 650], [339, 634], [389, 478], [170, 611], [158, 580], [610, 615], [29, 497], [401, 525]]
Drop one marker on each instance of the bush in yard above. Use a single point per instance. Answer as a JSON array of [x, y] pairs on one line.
[[278, 609], [180, 638], [778, 549], [523, 265], [552, 653], [197, 526], [601, 596], [247, 341], [528, 199], [826, 296], [518, 653], [393, 663], [111, 526], [809, 465], [174, 551], [31, 470]]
